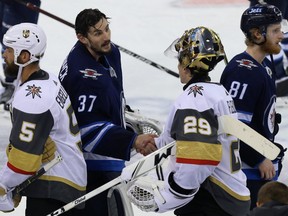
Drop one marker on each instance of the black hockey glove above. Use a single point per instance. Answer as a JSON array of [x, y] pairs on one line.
[[278, 119], [128, 108]]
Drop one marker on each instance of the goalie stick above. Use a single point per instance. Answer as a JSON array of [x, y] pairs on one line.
[[230, 125], [227, 124]]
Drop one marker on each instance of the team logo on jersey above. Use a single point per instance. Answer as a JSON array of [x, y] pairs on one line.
[[112, 72], [33, 90], [246, 63], [272, 114], [196, 89], [90, 73], [26, 33]]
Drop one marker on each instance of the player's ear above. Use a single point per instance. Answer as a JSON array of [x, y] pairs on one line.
[[257, 33], [24, 56], [82, 38]]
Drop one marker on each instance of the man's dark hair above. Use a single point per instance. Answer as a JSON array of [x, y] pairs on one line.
[[273, 191], [86, 19]]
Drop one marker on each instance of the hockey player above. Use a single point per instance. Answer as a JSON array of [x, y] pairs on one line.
[[92, 76], [250, 81], [12, 13], [205, 177], [41, 114], [280, 60]]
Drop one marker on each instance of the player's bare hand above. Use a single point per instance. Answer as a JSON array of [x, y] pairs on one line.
[[145, 144], [267, 169]]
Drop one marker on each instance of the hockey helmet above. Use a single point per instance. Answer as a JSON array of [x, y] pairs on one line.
[[259, 15], [200, 49], [26, 36]]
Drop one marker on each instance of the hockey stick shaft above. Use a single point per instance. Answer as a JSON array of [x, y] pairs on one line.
[[129, 52], [39, 173], [39, 10], [86, 197], [141, 58]]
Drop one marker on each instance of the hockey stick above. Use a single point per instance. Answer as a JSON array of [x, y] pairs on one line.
[[227, 124], [39, 173], [230, 125], [39, 10], [129, 52]]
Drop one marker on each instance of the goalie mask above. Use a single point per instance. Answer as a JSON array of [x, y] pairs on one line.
[[199, 49], [26, 36]]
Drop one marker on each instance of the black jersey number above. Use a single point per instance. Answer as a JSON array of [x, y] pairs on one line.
[[235, 156], [74, 129]]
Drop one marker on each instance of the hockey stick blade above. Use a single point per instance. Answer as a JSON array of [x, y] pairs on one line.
[[230, 125], [136, 169], [39, 173]]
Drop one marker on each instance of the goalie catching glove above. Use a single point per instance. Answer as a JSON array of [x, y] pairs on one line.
[[157, 191]]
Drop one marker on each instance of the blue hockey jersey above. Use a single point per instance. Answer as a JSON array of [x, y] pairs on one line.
[[252, 87], [96, 92]]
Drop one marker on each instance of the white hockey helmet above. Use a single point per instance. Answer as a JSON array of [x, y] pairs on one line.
[[26, 36]]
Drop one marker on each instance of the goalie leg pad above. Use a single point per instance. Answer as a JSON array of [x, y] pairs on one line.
[[118, 202]]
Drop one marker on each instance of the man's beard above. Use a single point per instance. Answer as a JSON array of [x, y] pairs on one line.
[[100, 52], [11, 70], [270, 48]]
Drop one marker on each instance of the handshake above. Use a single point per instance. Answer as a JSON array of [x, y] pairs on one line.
[[145, 144]]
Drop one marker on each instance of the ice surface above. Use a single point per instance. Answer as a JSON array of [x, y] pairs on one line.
[[147, 28]]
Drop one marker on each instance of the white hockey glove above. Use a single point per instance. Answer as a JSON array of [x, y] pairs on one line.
[[7, 203], [153, 192]]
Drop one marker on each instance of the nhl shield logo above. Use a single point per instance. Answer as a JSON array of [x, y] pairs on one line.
[[26, 33]]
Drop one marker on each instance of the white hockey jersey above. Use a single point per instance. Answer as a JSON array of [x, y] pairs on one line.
[[41, 109], [204, 158]]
